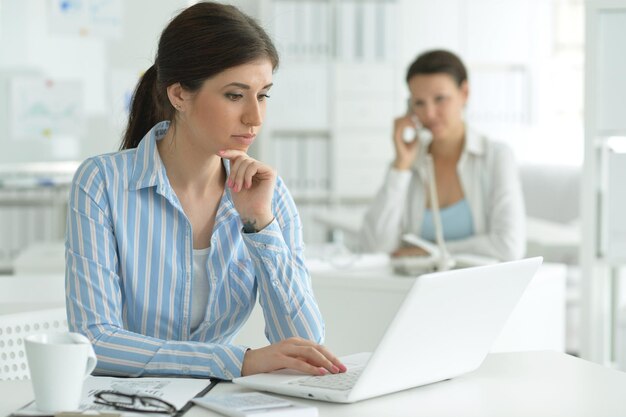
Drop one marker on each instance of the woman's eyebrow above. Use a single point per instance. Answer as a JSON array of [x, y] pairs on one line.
[[246, 86]]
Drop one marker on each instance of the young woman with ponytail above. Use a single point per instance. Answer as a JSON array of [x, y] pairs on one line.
[[171, 239]]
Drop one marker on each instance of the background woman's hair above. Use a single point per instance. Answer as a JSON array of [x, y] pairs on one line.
[[202, 41], [438, 61]]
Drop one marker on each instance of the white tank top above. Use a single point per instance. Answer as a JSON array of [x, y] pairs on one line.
[[200, 287]]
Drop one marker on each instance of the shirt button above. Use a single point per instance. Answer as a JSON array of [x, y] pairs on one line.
[[186, 369], [275, 283]]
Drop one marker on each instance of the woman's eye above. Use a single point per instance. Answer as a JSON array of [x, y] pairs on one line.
[[262, 97], [233, 97], [440, 99]]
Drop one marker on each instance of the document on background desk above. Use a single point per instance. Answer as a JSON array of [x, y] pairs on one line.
[[177, 391]]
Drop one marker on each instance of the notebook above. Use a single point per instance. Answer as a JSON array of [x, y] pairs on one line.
[[444, 328]]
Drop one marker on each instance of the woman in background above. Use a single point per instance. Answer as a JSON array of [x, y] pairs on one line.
[[170, 240], [478, 187]]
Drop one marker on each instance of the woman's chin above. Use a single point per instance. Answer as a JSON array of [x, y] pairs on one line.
[[241, 148]]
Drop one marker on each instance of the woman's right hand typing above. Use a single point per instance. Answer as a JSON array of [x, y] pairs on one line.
[[406, 152], [293, 353]]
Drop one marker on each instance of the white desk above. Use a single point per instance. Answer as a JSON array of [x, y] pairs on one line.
[[359, 303], [524, 384]]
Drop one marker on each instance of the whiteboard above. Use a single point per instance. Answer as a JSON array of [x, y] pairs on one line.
[[43, 108]]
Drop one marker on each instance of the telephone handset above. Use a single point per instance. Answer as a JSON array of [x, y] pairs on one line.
[[419, 132], [410, 134]]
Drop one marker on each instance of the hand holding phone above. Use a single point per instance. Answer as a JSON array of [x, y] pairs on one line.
[[408, 137]]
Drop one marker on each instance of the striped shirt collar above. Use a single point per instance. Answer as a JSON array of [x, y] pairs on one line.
[[148, 168]]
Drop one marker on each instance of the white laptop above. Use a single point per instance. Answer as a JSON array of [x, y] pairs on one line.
[[444, 328]]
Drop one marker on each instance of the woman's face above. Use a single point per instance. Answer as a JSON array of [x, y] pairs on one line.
[[228, 110], [438, 102]]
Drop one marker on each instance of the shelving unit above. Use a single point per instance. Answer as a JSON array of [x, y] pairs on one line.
[[33, 206], [330, 117], [604, 226]]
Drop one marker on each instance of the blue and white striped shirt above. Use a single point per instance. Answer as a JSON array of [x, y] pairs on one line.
[[129, 269]]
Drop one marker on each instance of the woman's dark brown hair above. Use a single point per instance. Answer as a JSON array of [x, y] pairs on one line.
[[438, 61], [202, 41]]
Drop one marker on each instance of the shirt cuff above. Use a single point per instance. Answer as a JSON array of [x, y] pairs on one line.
[[270, 238], [239, 352]]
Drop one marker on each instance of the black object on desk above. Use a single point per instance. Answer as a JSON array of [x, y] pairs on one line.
[[202, 393]]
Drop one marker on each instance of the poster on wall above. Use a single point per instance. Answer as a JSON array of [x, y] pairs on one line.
[[41, 108], [92, 18]]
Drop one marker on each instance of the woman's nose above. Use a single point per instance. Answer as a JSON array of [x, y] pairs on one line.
[[253, 115], [430, 112]]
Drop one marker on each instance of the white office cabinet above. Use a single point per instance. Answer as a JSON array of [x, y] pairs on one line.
[[332, 104], [603, 192]]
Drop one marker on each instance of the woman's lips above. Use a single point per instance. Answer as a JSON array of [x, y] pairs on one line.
[[245, 139]]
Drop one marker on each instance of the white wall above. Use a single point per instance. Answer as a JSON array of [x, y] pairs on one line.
[[27, 46], [540, 37]]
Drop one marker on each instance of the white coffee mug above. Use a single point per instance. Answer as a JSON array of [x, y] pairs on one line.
[[59, 363]]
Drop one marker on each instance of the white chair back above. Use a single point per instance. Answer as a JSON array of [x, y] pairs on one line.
[[13, 329]]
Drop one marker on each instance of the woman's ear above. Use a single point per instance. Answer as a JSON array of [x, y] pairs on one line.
[[176, 95]]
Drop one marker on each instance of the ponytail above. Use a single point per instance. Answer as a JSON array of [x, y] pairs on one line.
[[146, 109]]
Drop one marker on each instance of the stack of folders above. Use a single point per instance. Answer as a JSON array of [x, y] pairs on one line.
[[354, 31]]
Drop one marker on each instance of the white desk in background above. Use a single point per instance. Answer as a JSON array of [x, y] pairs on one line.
[[524, 384], [359, 302]]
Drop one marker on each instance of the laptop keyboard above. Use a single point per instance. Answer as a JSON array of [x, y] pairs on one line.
[[340, 382]]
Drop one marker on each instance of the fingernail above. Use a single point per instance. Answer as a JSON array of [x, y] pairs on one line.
[[334, 369], [230, 183], [220, 152], [343, 368], [323, 371]]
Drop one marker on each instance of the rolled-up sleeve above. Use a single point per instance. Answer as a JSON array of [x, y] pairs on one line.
[[284, 283]]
